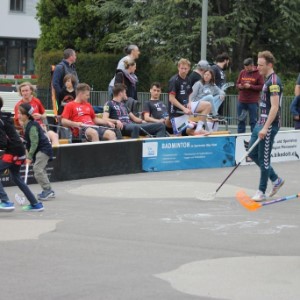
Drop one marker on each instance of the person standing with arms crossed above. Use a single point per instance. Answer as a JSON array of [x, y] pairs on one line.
[[267, 126]]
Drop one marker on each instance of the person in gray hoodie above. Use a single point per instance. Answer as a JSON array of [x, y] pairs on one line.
[[206, 90]]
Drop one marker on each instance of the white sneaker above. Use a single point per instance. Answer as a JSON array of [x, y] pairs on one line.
[[259, 196], [201, 132]]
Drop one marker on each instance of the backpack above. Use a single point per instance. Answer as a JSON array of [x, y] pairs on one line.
[[133, 105]]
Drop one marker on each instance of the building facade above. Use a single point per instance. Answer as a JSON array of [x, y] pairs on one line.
[[19, 31]]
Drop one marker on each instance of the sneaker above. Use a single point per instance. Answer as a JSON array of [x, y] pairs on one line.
[[44, 195], [37, 207], [259, 196], [277, 184], [7, 206]]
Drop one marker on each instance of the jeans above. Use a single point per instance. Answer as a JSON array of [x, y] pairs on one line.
[[134, 130], [252, 108], [14, 172], [261, 154], [215, 102], [297, 125]]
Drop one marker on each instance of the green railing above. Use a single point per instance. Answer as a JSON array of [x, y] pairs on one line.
[[98, 98]]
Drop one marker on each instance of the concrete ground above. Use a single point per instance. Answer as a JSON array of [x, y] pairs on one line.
[[149, 236]]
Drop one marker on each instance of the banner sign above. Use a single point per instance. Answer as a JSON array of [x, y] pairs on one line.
[[188, 153], [286, 146]]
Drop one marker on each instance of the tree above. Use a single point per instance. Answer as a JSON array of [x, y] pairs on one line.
[[170, 29], [67, 23]]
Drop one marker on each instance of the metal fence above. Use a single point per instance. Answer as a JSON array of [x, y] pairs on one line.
[[98, 98]]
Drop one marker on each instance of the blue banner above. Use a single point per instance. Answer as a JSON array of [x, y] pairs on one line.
[[188, 153]]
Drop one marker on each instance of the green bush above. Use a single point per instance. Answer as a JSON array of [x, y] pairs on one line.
[[98, 69], [94, 69]]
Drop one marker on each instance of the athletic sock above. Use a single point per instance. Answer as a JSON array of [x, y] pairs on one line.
[[215, 126], [199, 126], [210, 126]]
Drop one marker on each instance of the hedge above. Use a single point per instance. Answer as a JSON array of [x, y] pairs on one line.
[[98, 69]]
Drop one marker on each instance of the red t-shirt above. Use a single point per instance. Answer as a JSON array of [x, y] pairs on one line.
[[37, 108], [79, 112]]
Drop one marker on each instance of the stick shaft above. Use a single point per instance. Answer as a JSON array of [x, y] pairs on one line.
[[280, 199], [241, 160], [26, 172]]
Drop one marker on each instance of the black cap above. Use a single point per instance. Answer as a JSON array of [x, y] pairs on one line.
[[27, 108], [248, 61]]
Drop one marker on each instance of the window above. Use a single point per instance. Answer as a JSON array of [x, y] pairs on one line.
[[17, 5]]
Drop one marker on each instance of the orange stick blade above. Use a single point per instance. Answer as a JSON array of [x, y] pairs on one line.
[[246, 201]]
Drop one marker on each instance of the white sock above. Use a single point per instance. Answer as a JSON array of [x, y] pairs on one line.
[[199, 126], [210, 126], [215, 126]]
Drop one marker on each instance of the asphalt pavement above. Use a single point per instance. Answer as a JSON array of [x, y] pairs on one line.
[[150, 236]]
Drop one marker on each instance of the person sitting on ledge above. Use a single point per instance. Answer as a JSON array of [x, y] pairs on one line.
[[26, 90], [79, 114], [116, 111], [154, 110]]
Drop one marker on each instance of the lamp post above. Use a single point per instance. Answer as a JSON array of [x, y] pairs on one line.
[[204, 29]]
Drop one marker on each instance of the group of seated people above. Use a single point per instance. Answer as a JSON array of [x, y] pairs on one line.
[[116, 121]]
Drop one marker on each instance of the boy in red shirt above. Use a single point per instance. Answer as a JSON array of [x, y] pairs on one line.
[[26, 90], [80, 114]]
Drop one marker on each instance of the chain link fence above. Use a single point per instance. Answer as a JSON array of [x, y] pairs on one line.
[[98, 98]]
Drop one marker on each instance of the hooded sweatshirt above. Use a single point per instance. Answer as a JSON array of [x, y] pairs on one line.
[[256, 81]]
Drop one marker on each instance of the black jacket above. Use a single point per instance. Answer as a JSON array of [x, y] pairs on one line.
[[10, 141], [122, 77], [44, 144]]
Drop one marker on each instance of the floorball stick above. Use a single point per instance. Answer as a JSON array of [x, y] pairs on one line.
[[211, 196], [21, 199], [252, 205]]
